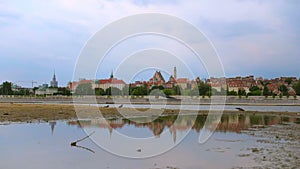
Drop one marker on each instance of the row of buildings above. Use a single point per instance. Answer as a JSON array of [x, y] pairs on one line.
[[245, 83], [226, 84], [235, 84], [156, 80]]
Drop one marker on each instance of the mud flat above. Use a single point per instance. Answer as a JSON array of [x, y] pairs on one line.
[[280, 146]]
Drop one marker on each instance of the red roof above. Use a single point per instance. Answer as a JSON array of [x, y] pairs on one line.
[[111, 81], [182, 80]]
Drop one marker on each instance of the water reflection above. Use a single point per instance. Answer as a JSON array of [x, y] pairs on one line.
[[229, 123], [47, 145], [52, 124]]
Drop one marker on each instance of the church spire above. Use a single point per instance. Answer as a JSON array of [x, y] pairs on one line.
[[54, 77], [112, 75], [175, 73]]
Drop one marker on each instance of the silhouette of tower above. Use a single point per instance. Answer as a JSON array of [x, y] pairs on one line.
[[175, 73], [54, 83], [52, 124], [112, 75]]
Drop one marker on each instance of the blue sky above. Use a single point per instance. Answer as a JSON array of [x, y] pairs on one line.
[[251, 36]]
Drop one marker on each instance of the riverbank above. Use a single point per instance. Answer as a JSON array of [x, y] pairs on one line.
[[280, 146], [16, 112]]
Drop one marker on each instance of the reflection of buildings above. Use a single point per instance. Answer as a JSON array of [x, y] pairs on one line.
[[229, 123], [52, 124]]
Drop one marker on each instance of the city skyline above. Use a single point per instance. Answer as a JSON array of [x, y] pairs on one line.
[[257, 38], [32, 83]]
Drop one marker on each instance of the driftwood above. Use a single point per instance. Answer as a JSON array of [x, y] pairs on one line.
[[85, 148], [240, 109], [75, 142]]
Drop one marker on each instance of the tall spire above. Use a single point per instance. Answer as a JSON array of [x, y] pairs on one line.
[[54, 77], [54, 82], [112, 75], [175, 73]]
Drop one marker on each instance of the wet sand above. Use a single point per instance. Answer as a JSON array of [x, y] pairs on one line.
[[281, 146]]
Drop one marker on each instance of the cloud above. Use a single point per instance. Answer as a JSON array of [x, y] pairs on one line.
[[241, 30]]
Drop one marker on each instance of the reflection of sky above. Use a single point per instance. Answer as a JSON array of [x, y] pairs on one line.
[[33, 146]]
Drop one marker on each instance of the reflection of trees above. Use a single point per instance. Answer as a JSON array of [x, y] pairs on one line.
[[199, 123]]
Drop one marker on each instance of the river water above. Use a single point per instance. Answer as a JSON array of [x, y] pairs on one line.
[[46, 145], [208, 107]]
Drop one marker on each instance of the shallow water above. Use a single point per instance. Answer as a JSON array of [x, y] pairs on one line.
[[207, 107], [47, 145]]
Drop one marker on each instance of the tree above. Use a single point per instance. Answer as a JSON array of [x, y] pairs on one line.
[[140, 91], [296, 87], [288, 80], [157, 87], [266, 91], [99, 92], [255, 93], [64, 91], [84, 89], [177, 90], [6, 88], [254, 88], [22, 92], [231, 93], [204, 89], [113, 91], [168, 92], [241, 92], [283, 89]]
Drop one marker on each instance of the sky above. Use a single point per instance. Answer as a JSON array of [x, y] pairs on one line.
[[251, 37]]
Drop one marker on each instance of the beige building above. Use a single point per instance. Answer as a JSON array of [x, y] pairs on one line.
[[112, 82]]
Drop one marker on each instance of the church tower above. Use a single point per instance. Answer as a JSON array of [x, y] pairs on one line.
[[175, 73], [112, 75]]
